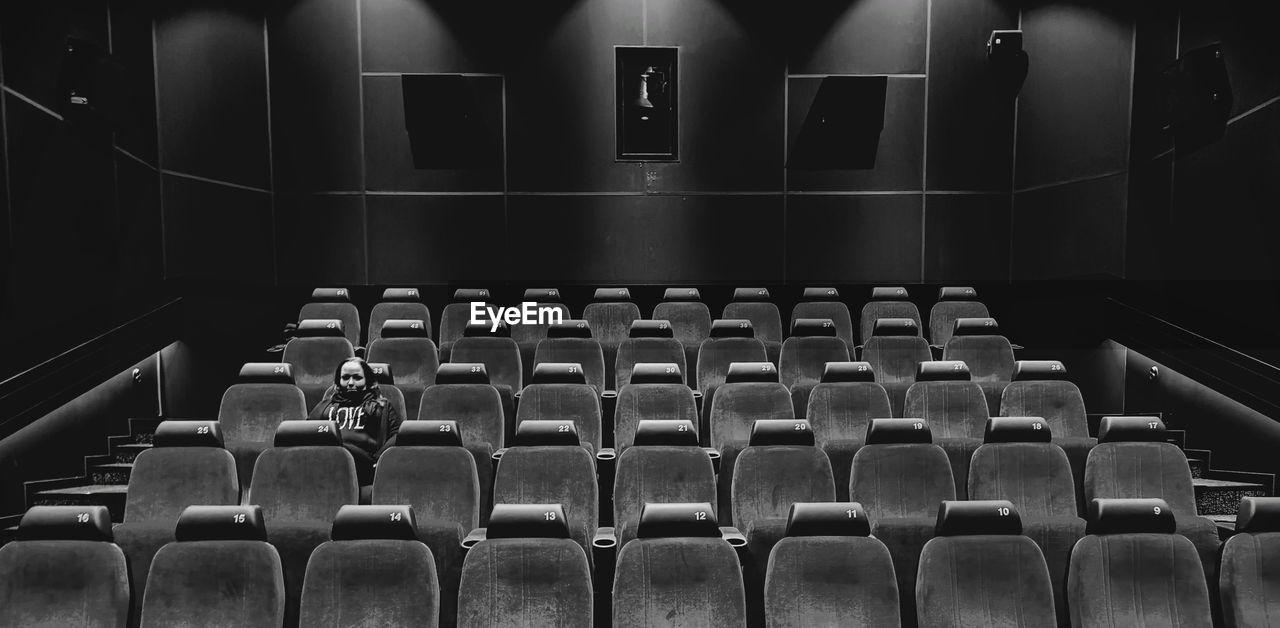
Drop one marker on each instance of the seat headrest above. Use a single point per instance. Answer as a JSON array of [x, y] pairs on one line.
[[1258, 514], [890, 293], [942, 371], [330, 295], [320, 328], [1017, 429], [820, 294], [308, 434], [401, 328], [360, 523], [1130, 516], [1131, 429], [1036, 370], [558, 373], [813, 327], [462, 373], [656, 373], [660, 521], [957, 293], [382, 373], [744, 372], [641, 328], [898, 432], [975, 327], [471, 294], [402, 295], [481, 329], [66, 523], [895, 327], [679, 433], [569, 328], [681, 294], [266, 373], [732, 328], [527, 521], [544, 433], [828, 519], [542, 295], [612, 294], [781, 432], [984, 516], [750, 294], [188, 434], [220, 523], [429, 434], [841, 372]]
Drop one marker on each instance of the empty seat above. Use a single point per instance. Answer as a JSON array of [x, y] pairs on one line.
[[664, 466], [398, 304], [976, 342], [679, 571], [825, 303], [407, 347], [900, 477], [64, 570], [840, 409], [571, 342], [1133, 461], [730, 341], [544, 306], [1039, 388], [886, 303], [690, 319], [186, 465], [1250, 575], [560, 392], [805, 354], [656, 392], [526, 572], [895, 351], [457, 315], [956, 410], [829, 570], [953, 302], [979, 570], [501, 357], [1132, 570], [334, 303], [316, 350], [219, 571], [374, 570], [751, 393], [430, 471], [462, 393], [610, 315], [650, 342], [754, 305], [1017, 463], [263, 396]]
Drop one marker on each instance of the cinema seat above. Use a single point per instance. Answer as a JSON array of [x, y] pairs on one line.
[[955, 408], [825, 303], [1250, 577], [1039, 388], [895, 351], [316, 350], [1133, 570], [334, 303], [980, 570], [829, 571], [263, 396], [406, 346], [841, 408], [690, 320], [571, 342], [953, 302], [665, 465], [730, 341], [374, 571], [457, 315], [63, 569], [385, 377], [559, 392], [751, 393], [462, 393], [679, 571], [977, 343], [650, 342], [656, 392], [891, 302], [528, 337], [501, 357], [754, 305], [398, 304], [186, 465], [804, 356]]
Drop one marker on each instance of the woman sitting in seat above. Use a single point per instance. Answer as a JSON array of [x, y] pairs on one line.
[[368, 421]]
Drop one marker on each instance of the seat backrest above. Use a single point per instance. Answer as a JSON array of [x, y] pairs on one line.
[[476, 407], [690, 320], [314, 360], [901, 480], [453, 324], [990, 358], [1035, 477], [837, 311], [536, 332], [586, 352], [414, 361], [579, 403], [304, 477], [186, 465], [345, 312], [943, 315], [843, 410], [737, 406], [885, 309], [659, 474], [552, 475], [954, 409], [1140, 470], [611, 321], [1059, 403], [640, 402], [397, 310], [896, 358], [252, 412], [635, 351], [768, 479], [803, 358], [436, 477], [1249, 575], [716, 354], [764, 317], [501, 356]]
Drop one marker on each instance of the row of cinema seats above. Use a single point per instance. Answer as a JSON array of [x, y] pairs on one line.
[[978, 568], [611, 313]]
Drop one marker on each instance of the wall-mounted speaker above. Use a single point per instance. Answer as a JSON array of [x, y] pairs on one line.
[[89, 85], [1009, 62], [1197, 98]]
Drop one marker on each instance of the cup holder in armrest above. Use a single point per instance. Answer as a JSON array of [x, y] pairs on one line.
[[609, 394], [497, 455], [697, 395], [605, 539], [473, 537], [733, 536], [714, 454], [606, 453]]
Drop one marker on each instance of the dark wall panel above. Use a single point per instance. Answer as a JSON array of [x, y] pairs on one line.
[[854, 238], [1070, 230], [132, 50], [621, 239], [140, 241], [971, 125], [1249, 46], [216, 232], [211, 64], [321, 239], [315, 95], [435, 239], [430, 36], [1150, 252], [966, 237], [34, 36], [860, 36], [899, 156], [1156, 42]]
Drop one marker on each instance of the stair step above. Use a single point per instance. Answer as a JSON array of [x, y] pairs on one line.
[[1198, 467], [142, 429], [1226, 525], [1222, 497], [128, 451], [110, 495], [111, 473]]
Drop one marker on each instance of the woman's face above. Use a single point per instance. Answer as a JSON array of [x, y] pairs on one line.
[[351, 377]]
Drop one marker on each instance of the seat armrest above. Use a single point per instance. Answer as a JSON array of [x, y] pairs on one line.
[[714, 454], [473, 537], [738, 540], [606, 538]]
